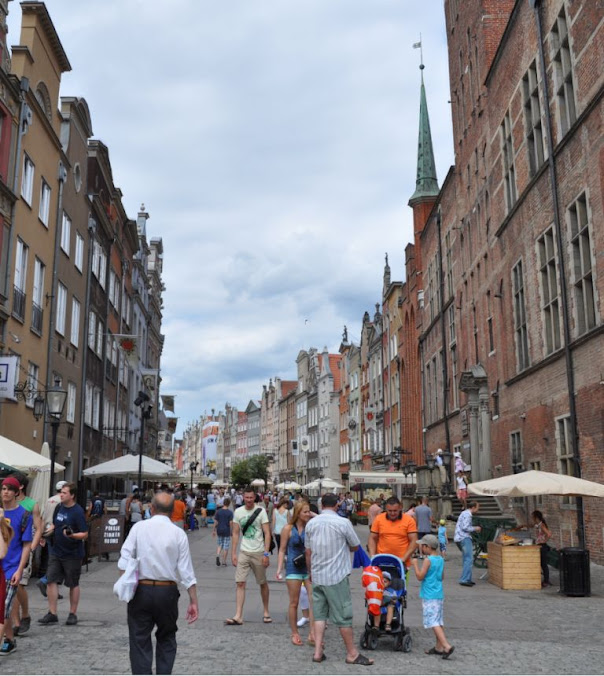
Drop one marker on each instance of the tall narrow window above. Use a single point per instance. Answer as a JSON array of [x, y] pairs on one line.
[[583, 281], [37, 313], [449, 258], [20, 279], [564, 451], [75, 322], [71, 402], [79, 252], [27, 180], [549, 291], [454, 390], [516, 452], [91, 330], [509, 169], [88, 404], [563, 73], [532, 119], [520, 326], [100, 334], [66, 234], [61, 308], [44, 210]]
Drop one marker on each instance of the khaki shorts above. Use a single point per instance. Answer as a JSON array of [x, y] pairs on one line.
[[333, 602], [250, 561], [27, 571]]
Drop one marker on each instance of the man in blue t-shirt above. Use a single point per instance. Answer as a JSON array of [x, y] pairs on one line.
[[68, 530], [17, 557]]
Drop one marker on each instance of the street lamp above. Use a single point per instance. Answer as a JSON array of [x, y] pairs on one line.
[[143, 401], [447, 457], [53, 404], [193, 467], [321, 477]]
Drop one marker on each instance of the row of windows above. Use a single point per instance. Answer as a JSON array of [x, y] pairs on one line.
[[564, 90]]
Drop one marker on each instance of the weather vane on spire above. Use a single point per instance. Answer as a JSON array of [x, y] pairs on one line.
[[418, 45]]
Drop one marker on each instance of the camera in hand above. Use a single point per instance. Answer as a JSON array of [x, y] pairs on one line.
[[67, 530]]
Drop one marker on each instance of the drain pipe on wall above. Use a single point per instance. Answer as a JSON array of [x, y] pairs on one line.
[[568, 356]]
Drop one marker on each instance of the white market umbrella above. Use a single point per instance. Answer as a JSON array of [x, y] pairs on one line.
[[323, 484], [259, 482], [288, 486], [39, 488], [127, 467], [24, 459], [219, 484], [534, 482]]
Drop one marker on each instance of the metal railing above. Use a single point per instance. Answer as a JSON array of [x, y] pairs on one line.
[[37, 317], [19, 303]]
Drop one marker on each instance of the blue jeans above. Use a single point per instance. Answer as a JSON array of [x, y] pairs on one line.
[[467, 552]]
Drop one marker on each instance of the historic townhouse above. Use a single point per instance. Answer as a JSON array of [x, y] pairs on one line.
[[252, 413], [512, 328], [351, 423], [38, 62]]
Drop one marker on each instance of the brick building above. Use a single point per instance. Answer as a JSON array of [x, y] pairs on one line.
[[513, 273]]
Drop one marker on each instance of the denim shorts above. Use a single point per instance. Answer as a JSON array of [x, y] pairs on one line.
[[433, 612]]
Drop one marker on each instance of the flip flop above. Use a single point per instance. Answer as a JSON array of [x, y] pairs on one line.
[[232, 622], [319, 659], [267, 619], [361, 660], [297, 640], [433, 651], [448, 653]]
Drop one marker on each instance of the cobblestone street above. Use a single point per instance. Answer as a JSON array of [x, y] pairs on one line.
[[493, 631]]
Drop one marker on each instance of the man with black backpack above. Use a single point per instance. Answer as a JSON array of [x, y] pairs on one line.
[[250, 522], [97, 507]]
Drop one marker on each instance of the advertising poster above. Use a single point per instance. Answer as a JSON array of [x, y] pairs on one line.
[[209, 444]]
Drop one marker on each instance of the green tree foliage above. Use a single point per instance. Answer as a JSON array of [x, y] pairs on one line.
[[259, 467], [241, 474]]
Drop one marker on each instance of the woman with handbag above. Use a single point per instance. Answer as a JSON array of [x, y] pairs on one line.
[[296, 573]]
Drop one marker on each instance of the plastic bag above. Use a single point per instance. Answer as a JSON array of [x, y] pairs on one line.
[[125, 587]]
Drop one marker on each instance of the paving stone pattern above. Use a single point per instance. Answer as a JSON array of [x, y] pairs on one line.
[[494, 631]]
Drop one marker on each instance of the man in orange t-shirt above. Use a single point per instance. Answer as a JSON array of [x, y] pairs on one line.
[[393, 532], [179, 513]]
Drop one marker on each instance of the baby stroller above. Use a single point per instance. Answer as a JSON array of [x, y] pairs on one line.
[[401, 635]]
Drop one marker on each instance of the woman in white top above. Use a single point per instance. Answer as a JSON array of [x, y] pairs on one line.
[[280, 517]]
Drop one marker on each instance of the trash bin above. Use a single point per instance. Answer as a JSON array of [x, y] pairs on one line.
[[574, 572]]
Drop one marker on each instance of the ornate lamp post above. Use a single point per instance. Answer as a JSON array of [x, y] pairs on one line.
[[143, 401], [53, 404], [447, 457], [193, 467]]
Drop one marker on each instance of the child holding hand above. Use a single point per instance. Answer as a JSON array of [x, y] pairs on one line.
[[432, 594]]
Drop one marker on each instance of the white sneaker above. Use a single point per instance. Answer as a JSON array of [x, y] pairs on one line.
[[302, 621]]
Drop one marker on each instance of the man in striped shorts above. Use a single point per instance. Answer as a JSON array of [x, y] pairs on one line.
[[223, 528], [329, 539]]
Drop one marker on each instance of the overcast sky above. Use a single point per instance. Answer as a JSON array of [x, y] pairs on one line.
[[274, 144]]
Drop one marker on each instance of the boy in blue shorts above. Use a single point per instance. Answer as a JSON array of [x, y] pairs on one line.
[[432, 594], [442, 538]]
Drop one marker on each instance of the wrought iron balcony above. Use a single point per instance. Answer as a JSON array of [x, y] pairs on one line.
[[37, 317], [19, 303]]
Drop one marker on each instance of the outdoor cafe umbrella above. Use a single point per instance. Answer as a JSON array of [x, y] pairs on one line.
[[534, 482], [323, 484], [289, 486], [127, 466], [258, 482]]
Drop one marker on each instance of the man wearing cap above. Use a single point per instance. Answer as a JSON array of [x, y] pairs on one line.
[[17, 556], [164, 558], [22, 620], [69, 530]]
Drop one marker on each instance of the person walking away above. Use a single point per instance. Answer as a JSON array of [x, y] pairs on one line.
[[442, 538], [296, 573], [542, 535], [21, 619], [164, 558], [280, 518], [16, 558], [328, 540], [393, 532], [6, 535], [69, 530], [250, 524], [97, 507], [223, 530], [269, 506], [136, 510], [423, 517], [432, 593], [463, 538], [179, 512]]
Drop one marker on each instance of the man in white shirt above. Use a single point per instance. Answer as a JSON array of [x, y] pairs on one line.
[[162, 550], [329, 539]]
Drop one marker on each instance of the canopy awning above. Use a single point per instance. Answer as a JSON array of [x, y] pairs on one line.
[[23, 458], [381, 478], [127, 466]]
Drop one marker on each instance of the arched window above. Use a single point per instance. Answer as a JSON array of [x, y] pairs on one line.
[[43, 99]]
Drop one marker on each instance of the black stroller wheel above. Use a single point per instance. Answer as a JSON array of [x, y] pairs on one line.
[[363, 642], [398, 642], [406, 643], [372, 641]]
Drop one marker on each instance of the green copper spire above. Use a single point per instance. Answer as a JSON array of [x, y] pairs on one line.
[[426, 184]]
